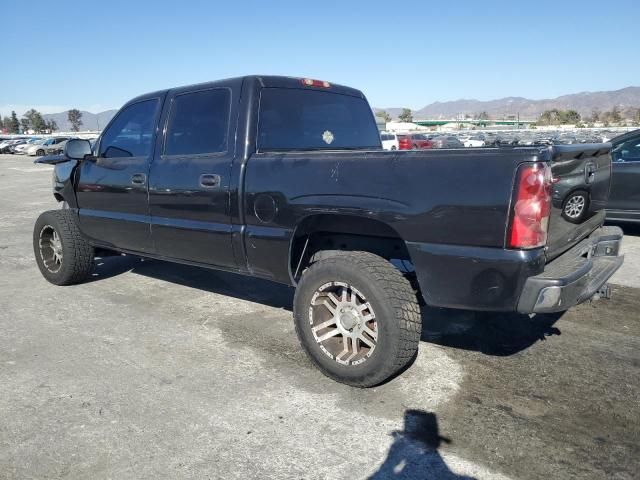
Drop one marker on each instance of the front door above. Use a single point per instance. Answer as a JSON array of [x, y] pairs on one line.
[[189, 178], [112, 187], [625, 176]]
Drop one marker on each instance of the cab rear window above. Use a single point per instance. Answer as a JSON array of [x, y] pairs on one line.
[[304, 119]]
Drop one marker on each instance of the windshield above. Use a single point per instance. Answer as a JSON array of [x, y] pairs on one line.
[[300, 119]]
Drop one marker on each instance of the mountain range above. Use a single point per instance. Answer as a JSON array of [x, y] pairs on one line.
[[584, 103], [90, 121]]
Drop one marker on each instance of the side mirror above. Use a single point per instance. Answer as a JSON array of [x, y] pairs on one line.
[[77, 149]]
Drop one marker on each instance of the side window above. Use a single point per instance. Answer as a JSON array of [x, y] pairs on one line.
[[131, 132], [628, 151], [198, 123]]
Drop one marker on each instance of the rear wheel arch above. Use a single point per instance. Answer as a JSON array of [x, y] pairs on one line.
[[324, 235]]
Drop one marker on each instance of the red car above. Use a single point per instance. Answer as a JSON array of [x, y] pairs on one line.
[[414, 141]]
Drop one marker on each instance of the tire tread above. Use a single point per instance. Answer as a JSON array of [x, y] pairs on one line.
[[76, 267], [403, 302]]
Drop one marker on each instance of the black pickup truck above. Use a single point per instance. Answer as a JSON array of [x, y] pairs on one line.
[[285, 179]]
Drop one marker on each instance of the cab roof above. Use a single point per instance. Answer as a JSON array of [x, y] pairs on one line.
[[261, 81]]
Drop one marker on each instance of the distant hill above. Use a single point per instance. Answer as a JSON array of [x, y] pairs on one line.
[[584, 103], [90, 121]]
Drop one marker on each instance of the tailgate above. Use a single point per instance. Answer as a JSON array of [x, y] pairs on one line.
[[582, 170]]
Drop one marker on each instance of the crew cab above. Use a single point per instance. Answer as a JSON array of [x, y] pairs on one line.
[[285, 179]]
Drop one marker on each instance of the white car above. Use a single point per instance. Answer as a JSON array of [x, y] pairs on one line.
[[46, 146], [22, 149], [473, 141], [389, 141]]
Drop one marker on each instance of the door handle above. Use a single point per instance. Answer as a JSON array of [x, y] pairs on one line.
[[209, 180], [138, 178]]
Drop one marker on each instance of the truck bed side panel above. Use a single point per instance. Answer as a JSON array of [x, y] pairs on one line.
[[453, 197]]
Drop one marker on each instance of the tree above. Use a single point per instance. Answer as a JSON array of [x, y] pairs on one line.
[[384, 115], [570, 117], [615, 115], [5, 123], [548, 117], [595, 115], [51, 125], [14, 124], [559, 117], [35, 120], [75, 118], [406, 115], [1, 123], [24, 122]]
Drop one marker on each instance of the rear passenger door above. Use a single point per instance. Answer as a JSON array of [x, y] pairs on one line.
[[190, 176], [625, 175]]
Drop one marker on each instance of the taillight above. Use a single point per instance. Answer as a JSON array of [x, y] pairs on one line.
[[404, 144], [428, 144], [531, 206]]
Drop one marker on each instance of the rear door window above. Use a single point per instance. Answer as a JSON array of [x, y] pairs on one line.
[[300, 119], [198, 123], [628, 151]]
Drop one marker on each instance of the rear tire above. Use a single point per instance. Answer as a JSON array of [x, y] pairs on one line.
[[40, 153], [358, 318], [63, 255]]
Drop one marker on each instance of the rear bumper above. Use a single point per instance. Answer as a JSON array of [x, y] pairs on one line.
[[576, 275]]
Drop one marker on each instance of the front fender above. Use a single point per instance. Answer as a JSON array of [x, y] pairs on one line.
[[63, 177]]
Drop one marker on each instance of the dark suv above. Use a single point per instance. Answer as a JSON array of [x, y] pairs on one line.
[[624, 199]]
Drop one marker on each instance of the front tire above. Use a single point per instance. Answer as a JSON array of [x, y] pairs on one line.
[[40, 153], [63, 255], [357, 317]]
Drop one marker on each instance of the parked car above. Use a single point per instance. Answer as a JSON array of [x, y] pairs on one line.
[[389, 141], [404, 142], [48, 146], [419, 141], [473, 141], [56, 147], [624, 199], [446, 141], [6, 146], [21, 149], [295, 191]]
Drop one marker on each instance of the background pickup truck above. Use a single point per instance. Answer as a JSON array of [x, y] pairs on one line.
[[285, 179]]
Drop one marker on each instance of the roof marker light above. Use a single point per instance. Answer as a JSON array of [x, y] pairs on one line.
[[309, 82]]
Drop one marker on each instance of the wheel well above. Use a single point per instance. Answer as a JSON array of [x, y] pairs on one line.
[[58, 197], [320, 236]]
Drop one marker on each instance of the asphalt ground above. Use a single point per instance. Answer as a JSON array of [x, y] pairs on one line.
[[155, 370]]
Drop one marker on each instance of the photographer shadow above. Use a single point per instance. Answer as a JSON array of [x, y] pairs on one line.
[[414, 452]]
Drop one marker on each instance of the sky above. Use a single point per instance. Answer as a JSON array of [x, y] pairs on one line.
[[95, 55]]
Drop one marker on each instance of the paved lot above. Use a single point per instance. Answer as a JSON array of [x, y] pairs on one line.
[[155, 370]]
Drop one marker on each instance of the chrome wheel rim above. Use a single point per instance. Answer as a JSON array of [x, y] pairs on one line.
[[50, 249], [574, 206], [343, 323]]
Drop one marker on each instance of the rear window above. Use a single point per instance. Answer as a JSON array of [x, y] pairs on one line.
[[297, 119], [386, 136]]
